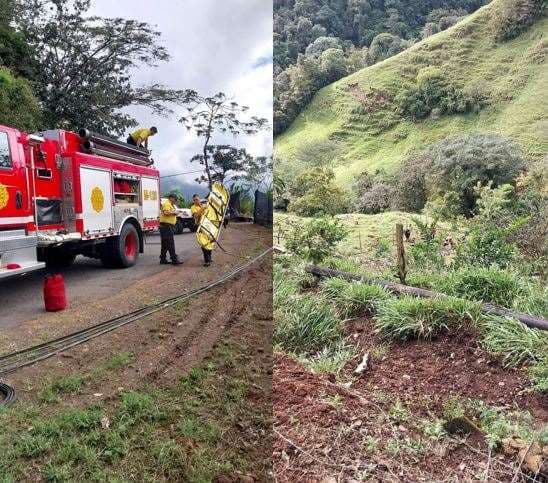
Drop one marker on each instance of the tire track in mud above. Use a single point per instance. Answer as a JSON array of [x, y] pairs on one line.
[[191, 348]]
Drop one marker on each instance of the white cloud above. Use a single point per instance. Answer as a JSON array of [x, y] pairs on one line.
[[215, 45]]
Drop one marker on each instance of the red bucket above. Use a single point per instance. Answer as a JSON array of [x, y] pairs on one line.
[[55, 297]]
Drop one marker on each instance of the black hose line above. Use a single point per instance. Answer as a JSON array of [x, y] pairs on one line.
[[7, 394], [26, 357]]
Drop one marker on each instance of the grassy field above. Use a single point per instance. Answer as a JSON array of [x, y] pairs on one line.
[[514, 74], [369, 235]]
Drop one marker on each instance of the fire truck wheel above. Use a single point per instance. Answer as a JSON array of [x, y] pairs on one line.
[[59, 259], [123, 250]]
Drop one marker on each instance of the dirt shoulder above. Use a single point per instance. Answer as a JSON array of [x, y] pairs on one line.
[[182, 395], [388, 424]]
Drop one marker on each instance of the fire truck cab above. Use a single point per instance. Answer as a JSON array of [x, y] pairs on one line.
[[64, 194]]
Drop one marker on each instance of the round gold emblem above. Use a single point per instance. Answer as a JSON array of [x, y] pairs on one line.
[[97, 199], [4, 197]]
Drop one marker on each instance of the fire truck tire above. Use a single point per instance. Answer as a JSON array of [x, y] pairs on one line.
[[122, 251], [59, 259]]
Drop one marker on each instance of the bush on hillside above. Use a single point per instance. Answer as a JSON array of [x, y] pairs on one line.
[[410, 186], [434, 94], [316, 239], [314, 193], [386, 45], [461, 163], [376, 200], [18, 106], [515, 16]]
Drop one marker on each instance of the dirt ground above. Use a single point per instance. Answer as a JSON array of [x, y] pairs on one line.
[[367, 427], [229, 327]]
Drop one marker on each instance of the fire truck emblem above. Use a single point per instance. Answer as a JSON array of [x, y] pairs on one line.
[[4, 197], [97, 199]]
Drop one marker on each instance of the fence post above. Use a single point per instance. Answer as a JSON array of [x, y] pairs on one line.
[[401, 262]]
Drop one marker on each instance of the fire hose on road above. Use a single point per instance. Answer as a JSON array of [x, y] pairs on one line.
[[11, 362]]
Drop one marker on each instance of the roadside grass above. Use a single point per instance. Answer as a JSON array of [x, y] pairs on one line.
[[408, 317], [183, 432], [307, 324], [330, 359], [353, 299], [513, 341]]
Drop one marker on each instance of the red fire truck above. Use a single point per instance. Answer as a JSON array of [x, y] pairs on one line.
[[64, 194]]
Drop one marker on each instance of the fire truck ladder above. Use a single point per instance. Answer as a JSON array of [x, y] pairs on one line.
[[12, 362]]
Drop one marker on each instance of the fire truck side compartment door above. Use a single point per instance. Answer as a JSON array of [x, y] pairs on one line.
[[150, 197], [96, 199]]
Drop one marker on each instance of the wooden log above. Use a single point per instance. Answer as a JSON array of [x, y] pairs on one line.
[[397, 288]]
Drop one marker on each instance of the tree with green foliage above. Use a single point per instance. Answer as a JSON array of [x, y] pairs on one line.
[[15, 53], [208, 116], [461, 163], [19, 107], [314, 192], [316, 239], [224, 162], [85, 64], [515, 16]]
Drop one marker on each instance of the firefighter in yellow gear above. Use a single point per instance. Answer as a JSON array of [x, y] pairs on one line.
[[168, 219], [140, 137]]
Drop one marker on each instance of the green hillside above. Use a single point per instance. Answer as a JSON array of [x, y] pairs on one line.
[[338, 131]]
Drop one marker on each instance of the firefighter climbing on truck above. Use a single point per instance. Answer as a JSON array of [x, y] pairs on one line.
[[140, 137]]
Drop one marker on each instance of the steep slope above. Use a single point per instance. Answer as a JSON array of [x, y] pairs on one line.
[[335, 129]]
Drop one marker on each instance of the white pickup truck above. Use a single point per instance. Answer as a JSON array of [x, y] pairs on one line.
[[184, 220]]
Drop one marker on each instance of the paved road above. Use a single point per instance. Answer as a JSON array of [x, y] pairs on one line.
[[86, 280]]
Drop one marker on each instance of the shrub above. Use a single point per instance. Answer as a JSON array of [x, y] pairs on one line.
[[432, 93], [314, 193], [307, 325], [514, 341], [379, 198], [484, 284], [413, 318], [18, 105], [386, 45], [316, 239], [514, 16], [486, 247], [464, 162], [353, 299]]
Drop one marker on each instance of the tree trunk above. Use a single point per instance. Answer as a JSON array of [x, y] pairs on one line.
[[398, 288]]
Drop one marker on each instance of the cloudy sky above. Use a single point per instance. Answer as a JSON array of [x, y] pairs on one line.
[[215, 45]]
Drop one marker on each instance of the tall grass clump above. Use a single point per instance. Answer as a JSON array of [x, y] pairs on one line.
[[484, 285], [342, 264], [307, 324], [353, 299], [514, 341], [331, 359], [413, 318]]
